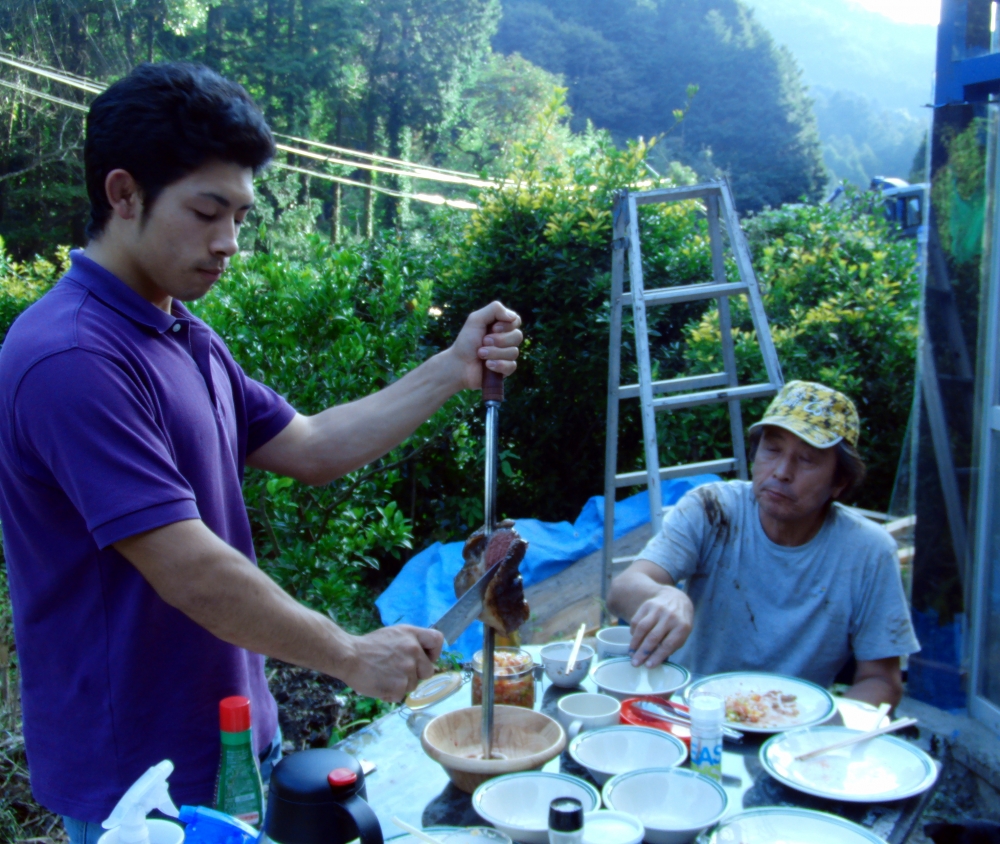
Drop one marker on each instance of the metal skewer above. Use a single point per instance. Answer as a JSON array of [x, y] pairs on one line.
[[492, 397]]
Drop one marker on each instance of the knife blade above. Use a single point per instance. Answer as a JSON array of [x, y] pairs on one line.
[[465, 610]]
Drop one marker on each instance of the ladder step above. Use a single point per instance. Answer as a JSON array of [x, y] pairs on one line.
[[716, 467], [676, 385], [688, 293], [752, 391], [677, 194]]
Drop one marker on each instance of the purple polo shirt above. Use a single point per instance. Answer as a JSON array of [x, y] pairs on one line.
[[117, 418]]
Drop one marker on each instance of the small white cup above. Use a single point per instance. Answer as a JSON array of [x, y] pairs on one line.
[[587, 711], [613, 641]]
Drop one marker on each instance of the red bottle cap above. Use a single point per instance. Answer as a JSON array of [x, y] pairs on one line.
[[234, 714], [341, 777]]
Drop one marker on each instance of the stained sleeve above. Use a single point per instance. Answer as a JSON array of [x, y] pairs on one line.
[[677, 547], [83, 423], [881, 626]]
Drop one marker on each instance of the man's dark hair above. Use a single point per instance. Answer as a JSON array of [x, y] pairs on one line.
[[163, 121], [850, 469]]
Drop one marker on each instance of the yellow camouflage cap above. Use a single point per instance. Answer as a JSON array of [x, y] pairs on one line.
[[818, 414]]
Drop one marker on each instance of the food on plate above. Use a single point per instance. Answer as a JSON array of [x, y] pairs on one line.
[[773, 707], [504, 606], [513, 678]]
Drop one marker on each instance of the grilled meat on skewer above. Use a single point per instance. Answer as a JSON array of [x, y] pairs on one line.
[[474, 554], [504, 606]]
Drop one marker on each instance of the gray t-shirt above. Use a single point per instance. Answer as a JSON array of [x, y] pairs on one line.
[[760, 606]]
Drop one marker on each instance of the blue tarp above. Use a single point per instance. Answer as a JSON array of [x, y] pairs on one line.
[[424, 589]]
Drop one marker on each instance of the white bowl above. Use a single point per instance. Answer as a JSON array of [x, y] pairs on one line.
[[607, 827], [674, 804], [613, 641], [618, 677], [617, 750], [518, 804], [555, 657], [587, 711]]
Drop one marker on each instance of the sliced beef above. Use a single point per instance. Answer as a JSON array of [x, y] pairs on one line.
[[504, 606]]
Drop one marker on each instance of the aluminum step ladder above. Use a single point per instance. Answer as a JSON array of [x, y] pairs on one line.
[[677, 393]]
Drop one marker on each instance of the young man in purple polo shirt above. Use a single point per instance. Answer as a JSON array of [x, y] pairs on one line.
[[125, 426]]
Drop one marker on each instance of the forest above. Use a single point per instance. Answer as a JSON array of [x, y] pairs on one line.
[[436, 154]]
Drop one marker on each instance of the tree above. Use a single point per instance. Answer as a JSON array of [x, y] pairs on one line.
[[628, 65]]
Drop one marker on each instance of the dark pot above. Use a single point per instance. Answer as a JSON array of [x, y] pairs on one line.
[[318, 797]]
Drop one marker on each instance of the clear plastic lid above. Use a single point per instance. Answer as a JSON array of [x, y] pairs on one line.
[[707, 711]]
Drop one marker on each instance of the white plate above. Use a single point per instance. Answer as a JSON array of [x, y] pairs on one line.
[[780, 825], [518, 804], [815, 704], [618, 677], [882, 768]]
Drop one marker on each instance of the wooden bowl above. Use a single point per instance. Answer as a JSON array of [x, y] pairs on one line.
[[525, 738]]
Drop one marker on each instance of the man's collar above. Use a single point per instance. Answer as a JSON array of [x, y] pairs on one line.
[[115, 293]]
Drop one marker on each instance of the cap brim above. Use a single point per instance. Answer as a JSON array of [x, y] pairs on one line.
[[803, 432]]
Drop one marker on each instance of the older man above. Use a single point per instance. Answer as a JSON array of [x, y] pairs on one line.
[[778, 575]]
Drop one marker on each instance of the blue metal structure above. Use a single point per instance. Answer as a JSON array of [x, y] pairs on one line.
[[967, 70]]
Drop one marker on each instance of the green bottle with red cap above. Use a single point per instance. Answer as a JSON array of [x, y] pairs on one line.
[[238, 790]]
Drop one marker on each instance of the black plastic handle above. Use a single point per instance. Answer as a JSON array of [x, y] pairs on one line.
[[369, 829]]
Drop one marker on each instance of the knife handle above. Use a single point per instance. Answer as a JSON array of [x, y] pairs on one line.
[[492, 385]]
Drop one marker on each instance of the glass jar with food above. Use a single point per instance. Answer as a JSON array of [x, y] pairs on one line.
[[513, 678]]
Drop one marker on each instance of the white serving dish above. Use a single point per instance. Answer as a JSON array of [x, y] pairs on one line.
[[587, 711], [610, 751], [674, 804], [780, 823], [613, 641], [815, 704], [554, 660], [873, 771], [518, 804], [619, 678], [607, 827], [455, 835]]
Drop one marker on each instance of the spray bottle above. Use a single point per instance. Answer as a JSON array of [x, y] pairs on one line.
[[128, 824], [208, 826]]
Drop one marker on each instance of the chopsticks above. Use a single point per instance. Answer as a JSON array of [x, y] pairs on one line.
[[417, 833], [889, 728], [573, 654]]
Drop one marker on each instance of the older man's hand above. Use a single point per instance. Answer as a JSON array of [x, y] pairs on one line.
[[660, 626]]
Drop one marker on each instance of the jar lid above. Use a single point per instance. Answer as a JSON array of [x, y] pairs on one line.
[[565, 815], [434, 689]]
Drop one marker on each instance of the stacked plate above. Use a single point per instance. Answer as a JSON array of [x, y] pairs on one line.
[[872, 771], [773, 824]]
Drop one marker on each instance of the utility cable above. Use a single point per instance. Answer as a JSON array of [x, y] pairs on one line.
[[42, 95], [430, 198], [416, 173], [420, 171]]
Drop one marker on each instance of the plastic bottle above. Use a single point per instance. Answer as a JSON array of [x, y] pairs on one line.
[[565, 821], [208, 826], [238, 789], [128, 824], [707, 713]]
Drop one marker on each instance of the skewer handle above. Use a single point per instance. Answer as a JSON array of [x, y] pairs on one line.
[[492, 385]]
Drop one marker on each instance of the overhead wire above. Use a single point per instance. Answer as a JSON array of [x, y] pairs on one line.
[[415, 171], [42, 95], [89, 87]]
